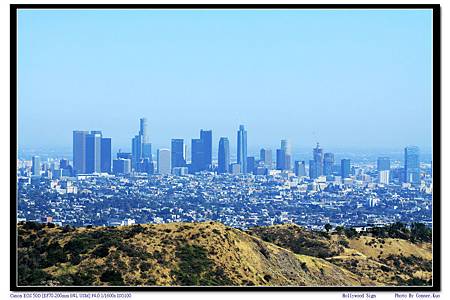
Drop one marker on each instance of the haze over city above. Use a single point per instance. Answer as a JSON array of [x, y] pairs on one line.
[[301, 75]]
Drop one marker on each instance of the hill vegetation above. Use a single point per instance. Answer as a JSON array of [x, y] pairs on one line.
[[211, 254]]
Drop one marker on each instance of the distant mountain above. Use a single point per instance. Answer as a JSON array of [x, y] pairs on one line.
[[211, 254]]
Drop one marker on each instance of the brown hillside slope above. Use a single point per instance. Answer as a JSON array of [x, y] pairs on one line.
[[382, 261], [167, 254]]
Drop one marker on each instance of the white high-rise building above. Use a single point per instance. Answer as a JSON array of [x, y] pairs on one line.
[[286, 146], [383, 177], [164, 164]]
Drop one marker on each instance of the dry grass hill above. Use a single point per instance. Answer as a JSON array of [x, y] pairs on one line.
[[211, 254]]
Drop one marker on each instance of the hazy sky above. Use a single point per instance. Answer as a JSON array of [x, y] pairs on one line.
[[345, 78]]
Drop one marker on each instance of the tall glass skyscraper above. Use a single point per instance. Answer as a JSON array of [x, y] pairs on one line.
[[36, 165], [79, 151], [242, 148], [286, 147], [197, 155], [412, 165], [106, 155], [93, 152], [383, 164], [251, 164], [163, 158], [143, 130], [300, 168], [206, 138], [345, 168], [318, 159], [177, 149], [281, 159], [312, 169], [140, 145], [265, 155], [328, 162], [383, 168], [224, 156]]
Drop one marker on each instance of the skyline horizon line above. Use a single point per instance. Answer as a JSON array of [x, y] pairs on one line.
[[233, 142]]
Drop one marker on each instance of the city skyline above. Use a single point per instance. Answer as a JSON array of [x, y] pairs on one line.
[[254, 149], [294, 87], [92, 154]]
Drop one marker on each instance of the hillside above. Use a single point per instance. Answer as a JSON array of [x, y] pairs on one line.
[[199, 254], [382, 261]]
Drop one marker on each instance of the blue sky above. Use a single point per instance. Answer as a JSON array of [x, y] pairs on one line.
[[345, 78]]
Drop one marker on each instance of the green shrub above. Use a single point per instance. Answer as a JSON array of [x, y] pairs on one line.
[[112, 277]]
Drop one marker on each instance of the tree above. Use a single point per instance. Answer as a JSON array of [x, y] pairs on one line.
[[328, 227], [420, 232], [339, 230]]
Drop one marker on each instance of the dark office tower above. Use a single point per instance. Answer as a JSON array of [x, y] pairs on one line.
[[63, 163], [146, 166], [124, 155], [281, 159], [242, 148], [79, 151], [36, 165], [224, 156], [328, 162], [136, 151], [412, 165], [318, 158], [312, 169], [197, 155], [383, 164], [206, 138], [122, 166], [147, 151], [345, 168], [299, 168], [266, 157], [93, 152], [177, 153], [251, 165], [106, 155]]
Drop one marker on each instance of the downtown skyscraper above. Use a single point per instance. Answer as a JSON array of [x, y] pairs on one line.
[[316, 164], [318, 159], [345, 168], [178, 153], [224, 156], [328, 163], [286, 147], [201, 152], [79, 151], [242, 148], [412, 165], [164, 162], [35, 166], [106, 155], [284, 156], [196, 155], [206, 138], [384, 169], [91, 152], [141, 149], [265, 157]]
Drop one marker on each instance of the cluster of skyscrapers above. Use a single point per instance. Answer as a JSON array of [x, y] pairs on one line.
[[92, 154]]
